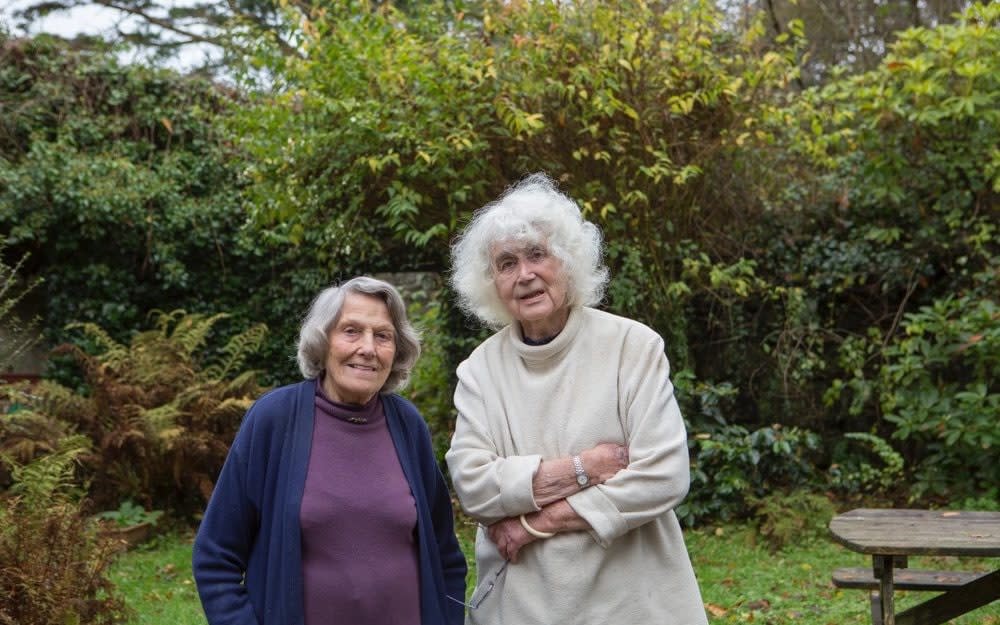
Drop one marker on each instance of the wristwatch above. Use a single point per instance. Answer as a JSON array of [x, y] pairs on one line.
[[581, 475]]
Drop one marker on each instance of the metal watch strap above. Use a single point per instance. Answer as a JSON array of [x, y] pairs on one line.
[[581, 475]]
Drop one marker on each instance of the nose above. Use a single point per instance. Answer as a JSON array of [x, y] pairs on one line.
[[525, 272], [366, 345]]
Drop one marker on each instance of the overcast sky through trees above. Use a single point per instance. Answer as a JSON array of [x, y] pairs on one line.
[[87, 19]]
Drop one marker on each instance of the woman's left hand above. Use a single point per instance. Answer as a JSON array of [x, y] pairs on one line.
[[509, 536]]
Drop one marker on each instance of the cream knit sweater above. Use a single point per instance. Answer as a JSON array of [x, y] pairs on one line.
[[603, 379]]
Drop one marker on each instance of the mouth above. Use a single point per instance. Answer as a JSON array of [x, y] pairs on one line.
[[531, 295], [362, 368]]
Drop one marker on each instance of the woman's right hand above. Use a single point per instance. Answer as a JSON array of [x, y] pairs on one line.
[[603, 461]]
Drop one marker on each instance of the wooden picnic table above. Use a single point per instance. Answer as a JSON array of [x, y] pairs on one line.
[[891, 535]]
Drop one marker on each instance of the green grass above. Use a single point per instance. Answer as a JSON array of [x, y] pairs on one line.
[[741, 580], [155, 579]]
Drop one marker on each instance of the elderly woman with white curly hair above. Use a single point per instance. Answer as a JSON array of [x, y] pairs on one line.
[[330, 507], [569, 448]]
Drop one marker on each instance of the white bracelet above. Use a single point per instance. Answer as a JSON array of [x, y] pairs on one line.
[[533, 531]]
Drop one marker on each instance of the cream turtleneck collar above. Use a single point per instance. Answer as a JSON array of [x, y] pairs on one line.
[[551, 349]]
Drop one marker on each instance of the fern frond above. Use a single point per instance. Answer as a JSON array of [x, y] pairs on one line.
[[236, 351], [113, 350], [231, 410], [191, 331], [50, 477], [54, 399], [243, 385], [162, 320], [161, 418], [26, 434]]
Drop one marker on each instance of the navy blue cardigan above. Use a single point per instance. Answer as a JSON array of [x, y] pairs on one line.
[[251, 525]]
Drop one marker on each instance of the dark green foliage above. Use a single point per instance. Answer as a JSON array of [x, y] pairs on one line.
[[118, 183], [939, 394], [824, 260], [53, 562], [447, 338], [129, 513], [895, 250], [431, 385], [732, 466]]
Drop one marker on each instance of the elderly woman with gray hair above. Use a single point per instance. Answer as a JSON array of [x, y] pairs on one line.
[[569, 448], [330, 507]]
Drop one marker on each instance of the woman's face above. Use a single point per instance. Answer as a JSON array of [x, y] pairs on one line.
[[532, 286], [361, 350]]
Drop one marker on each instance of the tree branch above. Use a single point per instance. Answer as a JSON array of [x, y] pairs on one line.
[[194, 37]]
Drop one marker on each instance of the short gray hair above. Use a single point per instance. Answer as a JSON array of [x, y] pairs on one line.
[[532, 211], [314, 335]]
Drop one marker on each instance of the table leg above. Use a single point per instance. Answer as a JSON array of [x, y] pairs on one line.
[[883, 567], [954, 603]]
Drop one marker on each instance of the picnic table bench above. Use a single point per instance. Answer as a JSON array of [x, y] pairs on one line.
[[891, 535]]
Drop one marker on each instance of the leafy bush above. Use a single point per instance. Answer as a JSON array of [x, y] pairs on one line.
[[940, 395], [53, 562], [792, 518], [403, 122], [853, 473], [731, 467], [891, 233], [431, 386], [124, 193], [160, 412]]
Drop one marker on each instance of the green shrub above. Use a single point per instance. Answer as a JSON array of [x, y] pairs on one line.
[[731, 467], [940, 394], [431, 386], [853, 472], [891, 232], [792, 518], [124, 190]]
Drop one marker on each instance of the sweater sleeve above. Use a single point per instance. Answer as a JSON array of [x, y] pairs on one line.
[[224, 540], [657, 477], [490, 486]]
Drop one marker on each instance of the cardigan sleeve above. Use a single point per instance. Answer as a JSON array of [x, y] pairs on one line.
[[657, 477], [224, 540], [443, 591], [491, 487], [453, 566]]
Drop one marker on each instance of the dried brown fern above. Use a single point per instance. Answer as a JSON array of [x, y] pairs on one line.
[[53, 562], [159, 417]]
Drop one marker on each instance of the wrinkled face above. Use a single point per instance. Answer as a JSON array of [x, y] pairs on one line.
[[532, 286], [361, 351]]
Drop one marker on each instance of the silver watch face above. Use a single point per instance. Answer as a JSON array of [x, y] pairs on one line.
[[582, 480]]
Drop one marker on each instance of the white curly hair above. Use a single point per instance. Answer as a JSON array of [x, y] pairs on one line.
[[532, 212]]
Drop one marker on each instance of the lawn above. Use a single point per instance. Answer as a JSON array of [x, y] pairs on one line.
[[741, 580]]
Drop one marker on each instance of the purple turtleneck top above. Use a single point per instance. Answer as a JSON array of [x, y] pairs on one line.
[[359, 552]]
